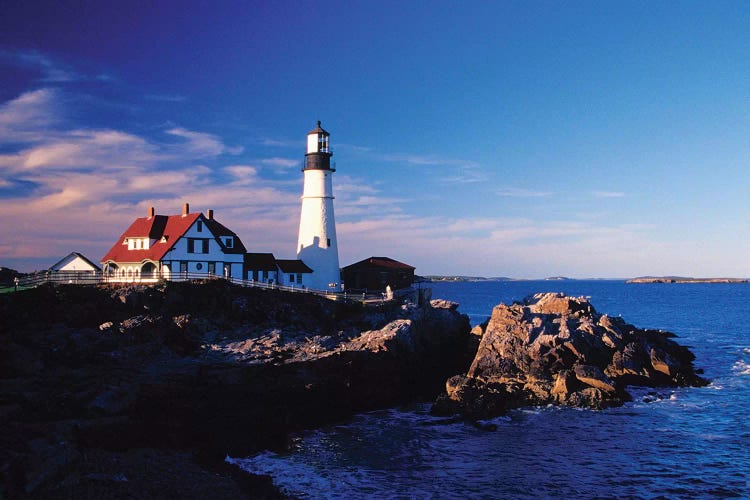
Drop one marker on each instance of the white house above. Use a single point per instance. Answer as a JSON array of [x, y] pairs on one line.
[[172, 246]]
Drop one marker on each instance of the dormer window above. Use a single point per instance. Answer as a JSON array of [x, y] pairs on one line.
[[200, 226], [229, 243]]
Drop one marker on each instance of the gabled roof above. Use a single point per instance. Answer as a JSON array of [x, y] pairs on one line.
[[156, 227], [218, 229], [62, 261], [380, 262], [292, 266], [260, 261]]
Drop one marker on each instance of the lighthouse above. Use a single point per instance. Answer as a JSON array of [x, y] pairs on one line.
[[317, 245]]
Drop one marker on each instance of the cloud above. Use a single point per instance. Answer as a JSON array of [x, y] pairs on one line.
[[52, 70], [82, 187], [280, 164], [203, 144], [608, 194], [165, 98], [430, 160], [22, 118], [461, 170], [521, 193], [283, 143]]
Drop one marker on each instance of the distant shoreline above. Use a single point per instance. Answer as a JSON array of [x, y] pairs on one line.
[[639, 280], [675, 279]]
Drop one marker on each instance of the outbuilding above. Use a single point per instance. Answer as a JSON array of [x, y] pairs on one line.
[[377, 273], [76, 268]]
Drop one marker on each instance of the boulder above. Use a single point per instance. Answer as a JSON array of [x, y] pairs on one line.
[[552, 348]]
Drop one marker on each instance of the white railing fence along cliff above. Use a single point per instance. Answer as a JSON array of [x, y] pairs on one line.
[[98, 278]]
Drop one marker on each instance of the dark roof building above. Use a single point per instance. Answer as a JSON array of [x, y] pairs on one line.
[[289, 266], [376, 273]]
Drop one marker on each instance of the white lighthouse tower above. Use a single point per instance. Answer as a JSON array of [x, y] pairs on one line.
[[317, 245]]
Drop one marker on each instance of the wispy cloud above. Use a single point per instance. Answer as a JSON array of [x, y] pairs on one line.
[[51, 69], [511, 192], [608, 194], [430, 160], [283, 143], [461, 170], [165, 98], [22, 118], [280, 164], [203, 144]]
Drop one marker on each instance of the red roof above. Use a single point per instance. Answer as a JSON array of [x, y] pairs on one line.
[[171, 226]]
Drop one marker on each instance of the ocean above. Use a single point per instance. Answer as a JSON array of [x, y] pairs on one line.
[[667, 443]]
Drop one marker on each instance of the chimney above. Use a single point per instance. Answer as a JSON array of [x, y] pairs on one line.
[[151, 212], [210, 214], [185, 209]]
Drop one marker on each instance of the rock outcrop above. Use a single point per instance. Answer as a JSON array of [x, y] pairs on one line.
[[182, 374], [557, 349]]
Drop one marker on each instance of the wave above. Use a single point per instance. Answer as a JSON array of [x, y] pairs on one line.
[[741, 368]]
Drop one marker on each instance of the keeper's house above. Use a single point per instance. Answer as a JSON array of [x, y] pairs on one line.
[[189, 245], [172, 246]]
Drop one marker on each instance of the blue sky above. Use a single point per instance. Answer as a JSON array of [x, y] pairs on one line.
[[521, 139]]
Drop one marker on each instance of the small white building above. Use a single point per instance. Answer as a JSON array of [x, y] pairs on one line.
[[75, 262], [74, 268], [172, 247], [294, 273]]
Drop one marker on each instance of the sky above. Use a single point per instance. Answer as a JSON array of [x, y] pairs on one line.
[[518, 139]]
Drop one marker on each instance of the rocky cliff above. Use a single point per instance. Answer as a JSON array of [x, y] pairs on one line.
[[557, 349], [142, 391]]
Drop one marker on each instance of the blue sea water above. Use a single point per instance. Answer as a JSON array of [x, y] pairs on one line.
[[668, 443]]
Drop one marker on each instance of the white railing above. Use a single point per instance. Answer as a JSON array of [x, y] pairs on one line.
[[98, 278]]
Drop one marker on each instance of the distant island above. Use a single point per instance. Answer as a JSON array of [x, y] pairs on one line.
[[460, 278], [433, 278], [680, 279]]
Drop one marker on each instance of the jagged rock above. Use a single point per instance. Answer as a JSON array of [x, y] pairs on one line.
[[594, 377], [443, 304], [186, 366], [552, 348]]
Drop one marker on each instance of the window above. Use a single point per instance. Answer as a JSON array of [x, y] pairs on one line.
[[200, 226], [199, 266], [328, 242], [291, 278], [196, 245], [212, 268], [183, 266], [229, 242], [299, 277]]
